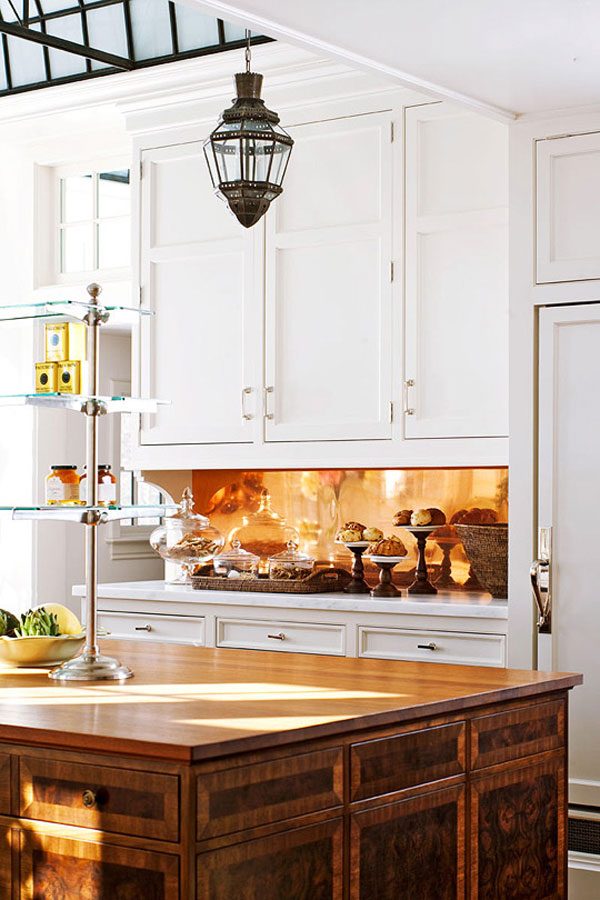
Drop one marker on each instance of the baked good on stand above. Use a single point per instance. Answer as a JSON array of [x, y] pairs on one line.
[[372, 534], [420, 518], [402, 517], [389, 546]]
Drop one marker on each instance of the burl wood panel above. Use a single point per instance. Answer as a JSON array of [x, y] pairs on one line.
[[410, 849], [4, 783], [518, 732], [128, 802], [243, 797], [303, 864], [404, 760], [56, 868], [518, 834]]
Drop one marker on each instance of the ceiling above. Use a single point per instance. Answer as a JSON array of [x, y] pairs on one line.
[[507, 56]]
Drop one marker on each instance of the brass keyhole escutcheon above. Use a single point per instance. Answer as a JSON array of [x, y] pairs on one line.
[[90, 799]]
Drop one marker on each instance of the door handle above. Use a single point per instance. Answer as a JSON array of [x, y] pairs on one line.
[[246, 416], [408, 410], [268, 391], [540, 575]]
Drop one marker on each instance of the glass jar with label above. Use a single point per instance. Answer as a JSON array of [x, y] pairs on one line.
[[107, 487], [62, 486]]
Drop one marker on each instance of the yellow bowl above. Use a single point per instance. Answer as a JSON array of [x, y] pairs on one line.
[[39, 651]]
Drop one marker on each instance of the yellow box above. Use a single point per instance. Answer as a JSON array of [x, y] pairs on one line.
[[69, 376], [65, 341], [46, 377]]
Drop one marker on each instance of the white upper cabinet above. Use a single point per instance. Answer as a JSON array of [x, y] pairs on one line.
[[201, 349], [328, 360], [568, 211], [456, 274]]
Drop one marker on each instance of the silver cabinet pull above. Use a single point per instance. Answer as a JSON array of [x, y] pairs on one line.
[[280, 636], [143, 627], [246, 416], [429, 646], [268, 390], [540, 574], [408, 410]]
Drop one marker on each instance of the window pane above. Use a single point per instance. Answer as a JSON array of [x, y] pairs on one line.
[[77, 198], [113, 194], [61, 63], [106, 27], [77, 248], [114, 244], [195, 29], [26, 61], [234, 32], [151, 28]]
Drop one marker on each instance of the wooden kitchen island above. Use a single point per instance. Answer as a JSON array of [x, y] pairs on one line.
[[240, 775]]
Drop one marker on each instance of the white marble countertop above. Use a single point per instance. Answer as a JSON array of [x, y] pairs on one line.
[[445, 603]]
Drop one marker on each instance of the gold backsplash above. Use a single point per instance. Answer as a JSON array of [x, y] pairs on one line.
[[317, 502]]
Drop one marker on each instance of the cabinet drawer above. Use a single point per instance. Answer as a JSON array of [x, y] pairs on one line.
[[294, 637], [405, 760], [518, 732], [170, 629], [4, 783], [433, 646], [277, 789], [124, 801]]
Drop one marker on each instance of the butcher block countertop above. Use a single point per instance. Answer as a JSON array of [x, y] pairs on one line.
[[189, 704]]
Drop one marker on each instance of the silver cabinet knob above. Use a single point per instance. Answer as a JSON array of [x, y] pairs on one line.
[[280, 636], [429, 646], [143, 627]]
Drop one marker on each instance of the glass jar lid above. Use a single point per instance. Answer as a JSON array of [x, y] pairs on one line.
[[292, 555], [185, 517], [237, 554]]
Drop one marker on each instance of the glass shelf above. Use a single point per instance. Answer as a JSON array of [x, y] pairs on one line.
[[69, 309], [78, 402], [86, 515]]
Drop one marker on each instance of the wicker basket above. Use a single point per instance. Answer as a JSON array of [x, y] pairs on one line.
[[486, 547]]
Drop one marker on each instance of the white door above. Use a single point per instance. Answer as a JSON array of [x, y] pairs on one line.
[[329, 311], [569, 503], [201, 349], [456, 294], [568, 211]]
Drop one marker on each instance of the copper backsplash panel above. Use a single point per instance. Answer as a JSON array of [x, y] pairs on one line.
[[316, 502]]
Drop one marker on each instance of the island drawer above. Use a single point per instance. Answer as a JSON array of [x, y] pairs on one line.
[[400, 761], [140, 626], [4, 783], [124, 801], [515, 733], [463, 648], [294, 637], [246, 796]]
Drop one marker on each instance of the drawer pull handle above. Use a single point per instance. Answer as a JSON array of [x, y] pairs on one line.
[[280, 636], [429, 646], [143, 628]]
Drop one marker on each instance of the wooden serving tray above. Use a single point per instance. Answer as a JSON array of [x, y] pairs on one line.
[[320, 582]]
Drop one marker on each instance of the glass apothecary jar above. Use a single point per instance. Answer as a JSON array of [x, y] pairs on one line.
[[236, 563], [290, 565], [186, 538], [264, 532]]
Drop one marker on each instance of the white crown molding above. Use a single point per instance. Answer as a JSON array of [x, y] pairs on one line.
[[261, 25]]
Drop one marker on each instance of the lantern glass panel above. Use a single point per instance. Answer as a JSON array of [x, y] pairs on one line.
[[256, 159], [228, 160], [281, 154]]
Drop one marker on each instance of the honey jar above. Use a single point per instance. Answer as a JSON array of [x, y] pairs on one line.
[[65, 341], [46, 377], [62, 486], [107, 487], [68, 378]]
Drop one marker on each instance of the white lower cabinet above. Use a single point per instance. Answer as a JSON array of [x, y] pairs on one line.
[[433, 646], [293, 637], [170, 629]]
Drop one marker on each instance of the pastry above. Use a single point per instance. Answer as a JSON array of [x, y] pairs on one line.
[[437, 516], [474, 516], [390, 546], [420, 517], [349, 535], [402, 517], [444, 531], [372, 534], [458, 516], [354, 526]]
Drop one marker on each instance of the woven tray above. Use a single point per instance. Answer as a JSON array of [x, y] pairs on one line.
[[321, 582]]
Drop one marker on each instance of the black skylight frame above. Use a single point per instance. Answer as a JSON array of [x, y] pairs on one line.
[[111, 63]]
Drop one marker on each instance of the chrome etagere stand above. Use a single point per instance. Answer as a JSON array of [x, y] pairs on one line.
[[91, 665]]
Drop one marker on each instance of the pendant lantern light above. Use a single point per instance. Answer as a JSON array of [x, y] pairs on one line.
[[248, 152]]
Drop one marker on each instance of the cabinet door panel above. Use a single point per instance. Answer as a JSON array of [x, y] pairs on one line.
[[296, 865], [518, 834], [55, 867], [456, 340], [6, 860], [329, 313], [568, 218], [199, 351], [413, 848]]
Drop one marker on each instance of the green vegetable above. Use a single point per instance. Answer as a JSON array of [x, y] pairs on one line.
[[8, 622], [38, 623]]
